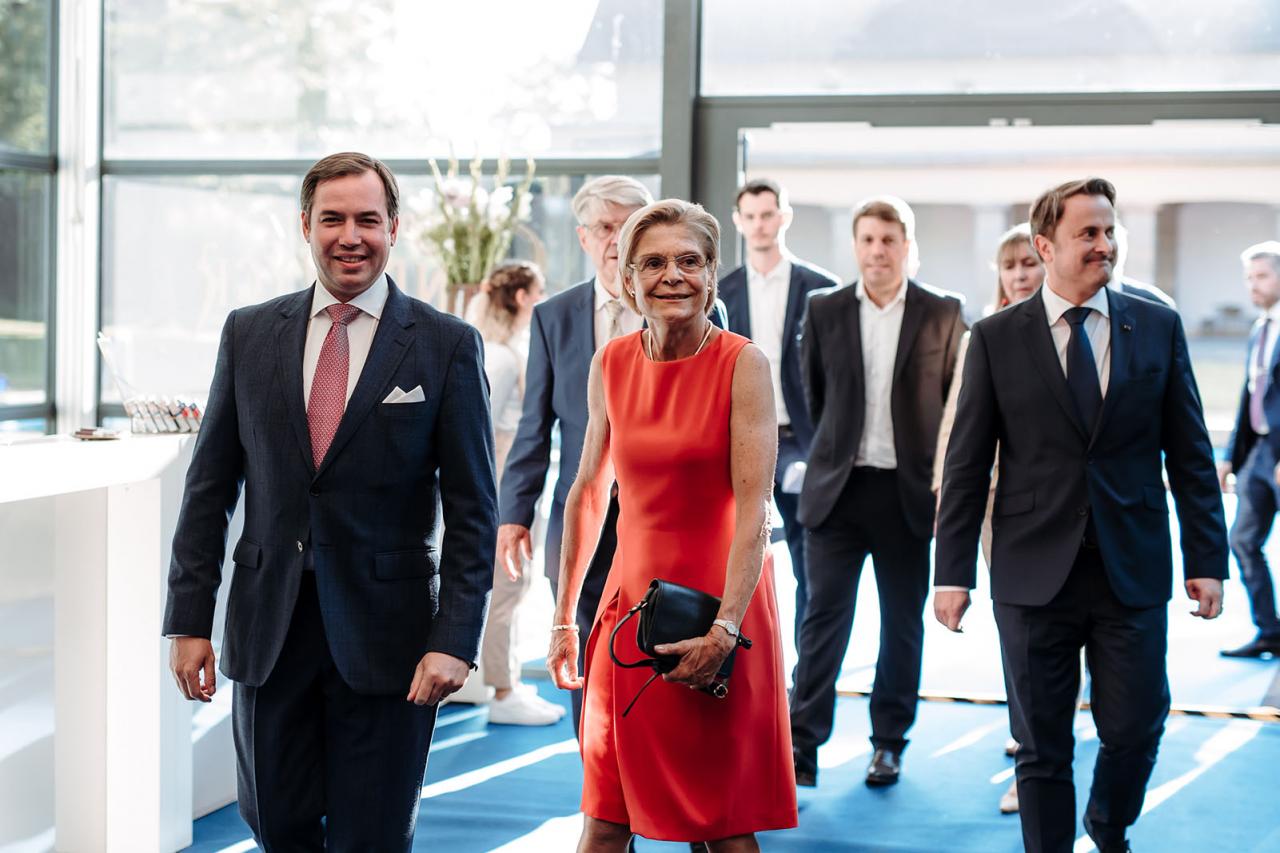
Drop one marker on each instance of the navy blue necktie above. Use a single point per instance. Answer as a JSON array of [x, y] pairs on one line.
[[1082, 370]]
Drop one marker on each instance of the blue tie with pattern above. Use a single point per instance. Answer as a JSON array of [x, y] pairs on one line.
[[1082, 370]]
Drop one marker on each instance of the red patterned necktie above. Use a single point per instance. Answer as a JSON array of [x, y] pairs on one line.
[[329, 386]]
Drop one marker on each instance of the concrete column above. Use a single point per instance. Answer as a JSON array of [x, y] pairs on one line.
[[989, 223], [1140, 258]]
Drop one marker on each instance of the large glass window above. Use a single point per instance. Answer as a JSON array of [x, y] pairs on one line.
[[303, 78], [24, 282], [25, 75], [180, 253], [900, 47]]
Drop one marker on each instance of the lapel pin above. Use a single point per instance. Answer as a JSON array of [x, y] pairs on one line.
[[1125, 327]]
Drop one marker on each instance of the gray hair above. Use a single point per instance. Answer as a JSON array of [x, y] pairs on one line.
[[608, 189], [1269, 249]]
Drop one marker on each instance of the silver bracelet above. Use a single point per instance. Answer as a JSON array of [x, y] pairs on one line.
[[573, 628]]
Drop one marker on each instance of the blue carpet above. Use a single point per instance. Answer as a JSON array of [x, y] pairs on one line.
[[1214, 789]]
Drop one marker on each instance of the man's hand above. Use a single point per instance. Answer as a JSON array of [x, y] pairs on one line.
[[1207, 592], [515, 548], [949, 606], [189, 657], [1224, 471], [437, 675]]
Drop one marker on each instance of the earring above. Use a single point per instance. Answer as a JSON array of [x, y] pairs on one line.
[[631, 293]]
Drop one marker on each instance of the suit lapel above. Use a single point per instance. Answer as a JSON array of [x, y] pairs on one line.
[[1122, 331], [291, 339], [1044, 355], [390, 343], [912, 319]]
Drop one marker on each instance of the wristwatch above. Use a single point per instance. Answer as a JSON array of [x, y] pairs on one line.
[[730, 628]]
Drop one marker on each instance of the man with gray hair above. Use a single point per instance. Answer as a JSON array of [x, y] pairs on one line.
[[1254, 449], [565, 332]]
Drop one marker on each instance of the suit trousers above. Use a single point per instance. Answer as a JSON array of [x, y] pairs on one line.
[[866, 520], [1125, 650], [589, 599], [1258, 498], [319, 766]]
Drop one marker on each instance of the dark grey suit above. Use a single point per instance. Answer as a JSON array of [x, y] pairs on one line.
[[1081, 553], [324, 658], [852, 511]]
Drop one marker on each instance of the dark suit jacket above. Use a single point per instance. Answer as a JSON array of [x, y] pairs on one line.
[[804, 280], [1243, 437], [561, 343], [831, 347], [1052, 472], [371, 515]]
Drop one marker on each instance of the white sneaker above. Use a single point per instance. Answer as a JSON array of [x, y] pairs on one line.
[[518, 710], [531, 693]]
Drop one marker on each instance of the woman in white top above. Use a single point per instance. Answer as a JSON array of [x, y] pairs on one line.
[[502, 312], [1019, 274]]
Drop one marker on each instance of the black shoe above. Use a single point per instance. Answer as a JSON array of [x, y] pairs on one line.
[[1105, 846], [1256, 648], [885, 768], [698, 847], [806, 769]]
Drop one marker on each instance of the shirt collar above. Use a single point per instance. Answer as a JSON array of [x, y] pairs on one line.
[[1055, 306], [781, 270], [1272, 313], [371, 302], [601, 295], [860, 291]]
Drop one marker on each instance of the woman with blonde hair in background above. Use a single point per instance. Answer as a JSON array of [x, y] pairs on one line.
[[502, 312], [1019, 274]]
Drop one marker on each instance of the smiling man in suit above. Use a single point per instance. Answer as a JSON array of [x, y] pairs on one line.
[[357, 421], [765, 300], [1087, 391], [877, 358]]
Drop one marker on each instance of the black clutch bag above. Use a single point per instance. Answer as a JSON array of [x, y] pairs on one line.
[[669, 613]]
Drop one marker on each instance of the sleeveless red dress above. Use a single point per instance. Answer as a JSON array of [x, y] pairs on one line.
[[682, 766]]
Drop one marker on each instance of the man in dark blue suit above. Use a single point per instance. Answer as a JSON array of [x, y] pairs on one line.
[[1087, 391], [765, 299], [349, 412], [1254, 450], [566, 331]]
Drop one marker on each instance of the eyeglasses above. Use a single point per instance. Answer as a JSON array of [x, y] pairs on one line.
[[652, 266], [604, 230]]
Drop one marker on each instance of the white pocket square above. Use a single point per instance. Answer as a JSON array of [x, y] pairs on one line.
[[399, 396]]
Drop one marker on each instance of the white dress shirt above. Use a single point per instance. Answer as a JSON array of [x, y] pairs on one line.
[[1097, 327], [880, 329], [359, 332], [1272, 317], [628, 319], [767, 307]]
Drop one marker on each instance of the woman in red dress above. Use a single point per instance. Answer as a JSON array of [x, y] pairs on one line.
[[682, 416]]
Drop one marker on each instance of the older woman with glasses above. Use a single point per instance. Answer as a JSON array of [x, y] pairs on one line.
[[682, 415]]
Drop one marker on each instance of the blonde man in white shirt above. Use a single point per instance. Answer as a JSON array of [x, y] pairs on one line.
[[878, 359], [765, 299]]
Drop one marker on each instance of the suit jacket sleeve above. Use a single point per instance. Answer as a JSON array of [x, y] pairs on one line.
[[949, 414], [214, 479], [530, 455], [966, 478], [1189, 462], [811, 365], [464, 436]]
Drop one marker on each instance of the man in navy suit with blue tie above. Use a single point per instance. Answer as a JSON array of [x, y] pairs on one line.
[[356, 419], [1089, 394], [565, 332], [765, 299], [1254, 451]]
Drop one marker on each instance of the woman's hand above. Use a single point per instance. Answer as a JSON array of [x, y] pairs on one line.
[[700, 657], [562, 660]]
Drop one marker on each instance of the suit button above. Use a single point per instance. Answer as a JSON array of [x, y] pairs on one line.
[[315, 492], [299, 546], [1082, 512]]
